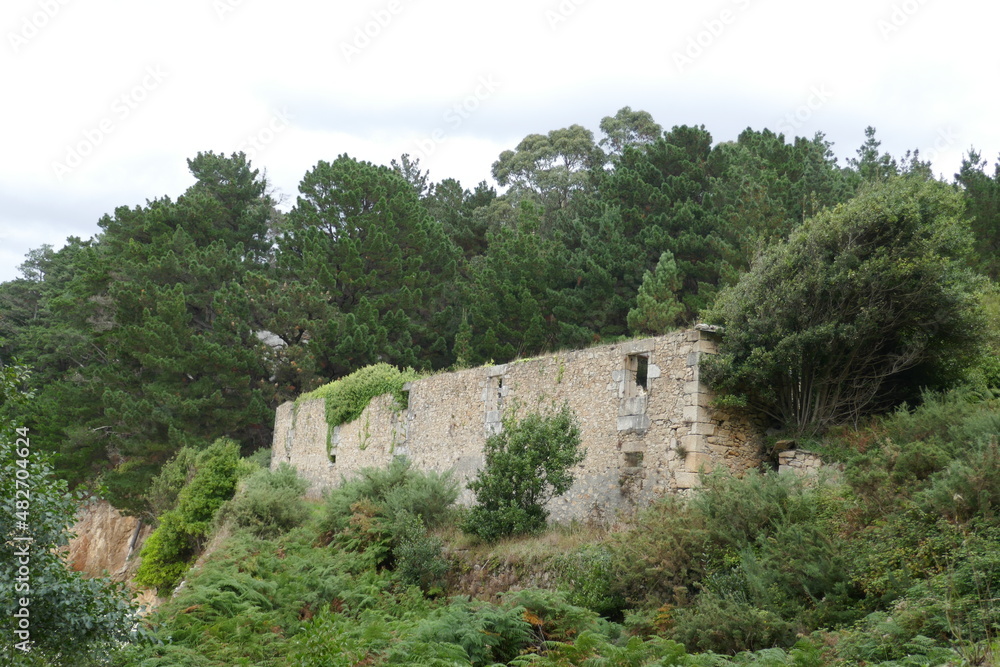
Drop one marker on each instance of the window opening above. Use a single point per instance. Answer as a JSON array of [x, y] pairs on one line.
[[642, 373]]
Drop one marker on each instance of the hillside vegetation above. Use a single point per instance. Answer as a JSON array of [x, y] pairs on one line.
[[860, 315]]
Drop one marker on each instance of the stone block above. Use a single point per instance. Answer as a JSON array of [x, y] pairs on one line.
[[633, 423], [706, 346], [693, 443], [696, 461], [653, 371], [687, 480], [639, 346], [695, 413], [693, 358], [632, 406], [703, 428]]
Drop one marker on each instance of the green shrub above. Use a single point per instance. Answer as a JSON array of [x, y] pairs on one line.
[[488, 634], [589, 577], [386, 514], [729, 625], [418, 555], [269, 503], [167, 552], [166, 555], [175, 473], [968, 488], [656, 560], [738, 510], [347, 397], [429, 495], [525, 465]]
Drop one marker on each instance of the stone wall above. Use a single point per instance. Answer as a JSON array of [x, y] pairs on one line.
[[799, 461], [646, 424]]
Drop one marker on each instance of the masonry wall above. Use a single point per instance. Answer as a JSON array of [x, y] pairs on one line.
[[646, 424]]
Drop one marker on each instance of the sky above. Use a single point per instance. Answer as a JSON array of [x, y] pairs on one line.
[[107, 99]]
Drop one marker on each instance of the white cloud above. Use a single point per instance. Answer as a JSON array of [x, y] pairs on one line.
[[229, 70]]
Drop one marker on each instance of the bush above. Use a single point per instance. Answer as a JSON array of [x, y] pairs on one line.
[[428, 495], [347, 397], [386, 513], [968, 488], [860, 306], [525, 465], [167, 485], [726, 625], [269, 503], [167, 552], [418, 555], [588, 574]]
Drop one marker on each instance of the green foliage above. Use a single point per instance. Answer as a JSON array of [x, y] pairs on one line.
[[167, 485], [657, 308], [347, 397], [268, 503], [386, 513], [725, 625], [70, 619], [861, 304], [588, 575], [366, 271], [968, 487], [418, 555], [170, 548], [525, 465]]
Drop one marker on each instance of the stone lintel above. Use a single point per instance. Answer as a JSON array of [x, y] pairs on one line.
[[633, 424], [639, 346], [494, 371]]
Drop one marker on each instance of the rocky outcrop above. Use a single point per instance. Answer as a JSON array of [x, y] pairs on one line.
[[106, 542]]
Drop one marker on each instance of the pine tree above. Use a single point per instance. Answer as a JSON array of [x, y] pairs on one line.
[[374, 270], [657, 307]]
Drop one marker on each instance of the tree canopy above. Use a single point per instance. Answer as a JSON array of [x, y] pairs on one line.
[[861, 306]]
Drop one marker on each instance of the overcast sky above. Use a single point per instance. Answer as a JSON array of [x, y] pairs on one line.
[[107, 98]]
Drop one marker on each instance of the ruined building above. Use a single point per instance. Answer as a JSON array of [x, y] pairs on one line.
[[646, 423]]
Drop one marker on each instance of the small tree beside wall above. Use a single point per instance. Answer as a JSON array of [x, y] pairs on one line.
[[526, 465]]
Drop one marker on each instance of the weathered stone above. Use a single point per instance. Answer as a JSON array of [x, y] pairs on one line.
[[450, 415]]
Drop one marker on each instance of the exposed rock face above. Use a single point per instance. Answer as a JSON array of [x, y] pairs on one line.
[[103, 537]]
